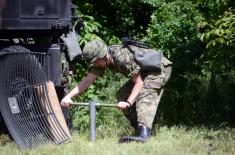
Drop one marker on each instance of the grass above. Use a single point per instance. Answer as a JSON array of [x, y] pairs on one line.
[[174, 140]]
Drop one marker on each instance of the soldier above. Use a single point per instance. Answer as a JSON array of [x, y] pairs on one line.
[[138, 98]]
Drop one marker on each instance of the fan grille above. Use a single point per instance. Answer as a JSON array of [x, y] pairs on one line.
[[24, 101]]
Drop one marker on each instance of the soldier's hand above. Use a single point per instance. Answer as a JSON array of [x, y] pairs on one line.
[[66, 101], [123, 105]]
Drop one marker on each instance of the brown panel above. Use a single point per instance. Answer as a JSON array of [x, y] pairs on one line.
[[56, 107], [50, 103]]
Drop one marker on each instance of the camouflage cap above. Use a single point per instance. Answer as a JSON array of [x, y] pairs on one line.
[[93, 50]]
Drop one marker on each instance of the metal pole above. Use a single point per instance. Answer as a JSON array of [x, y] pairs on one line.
[[92, 121], [92, 113], [97, 104]]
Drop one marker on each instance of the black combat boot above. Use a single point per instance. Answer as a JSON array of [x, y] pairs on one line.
[[142, 135]]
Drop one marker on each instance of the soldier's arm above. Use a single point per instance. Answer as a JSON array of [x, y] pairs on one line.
[[134, 93], [136, 89], [81, 87]]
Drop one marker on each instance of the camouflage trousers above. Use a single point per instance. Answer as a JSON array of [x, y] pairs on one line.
[[145, 107]]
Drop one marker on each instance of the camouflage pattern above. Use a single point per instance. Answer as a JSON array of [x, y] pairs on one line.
[[122, 95], [144, 110], [123, 61], [147, 101], [166, 69], [93, 50], [66, 76]]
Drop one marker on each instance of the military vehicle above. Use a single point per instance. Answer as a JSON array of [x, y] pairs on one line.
[[33, 56]]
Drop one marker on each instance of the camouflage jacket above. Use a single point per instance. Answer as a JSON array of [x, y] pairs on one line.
[[124, 62]]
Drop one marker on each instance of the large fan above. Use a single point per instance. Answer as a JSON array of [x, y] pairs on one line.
[[28, 101]]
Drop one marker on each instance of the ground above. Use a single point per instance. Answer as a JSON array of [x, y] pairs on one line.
[[177, 140]]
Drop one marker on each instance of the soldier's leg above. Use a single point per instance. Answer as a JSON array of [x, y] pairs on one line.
[[146, 106], [122, 95], [149, 98]]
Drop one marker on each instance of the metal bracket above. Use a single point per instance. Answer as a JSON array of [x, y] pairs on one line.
[[13, 105]]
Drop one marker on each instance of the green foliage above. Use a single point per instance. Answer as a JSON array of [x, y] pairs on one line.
[[214, 8], [173, 26], [198, 98], [197, 35], [128, 18], [94, 30], [120, 17], [197, 87], [222, 32], [220, 42], [90, 30]]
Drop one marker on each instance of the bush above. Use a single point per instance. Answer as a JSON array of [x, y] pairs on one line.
[[173, 27], [201, 88]]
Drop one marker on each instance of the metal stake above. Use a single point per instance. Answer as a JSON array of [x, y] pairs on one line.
[[92, 121], [92, 115]]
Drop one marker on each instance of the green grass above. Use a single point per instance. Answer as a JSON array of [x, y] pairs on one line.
[[173, 140]]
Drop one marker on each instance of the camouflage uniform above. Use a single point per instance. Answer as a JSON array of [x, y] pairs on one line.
[[145, 108]]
